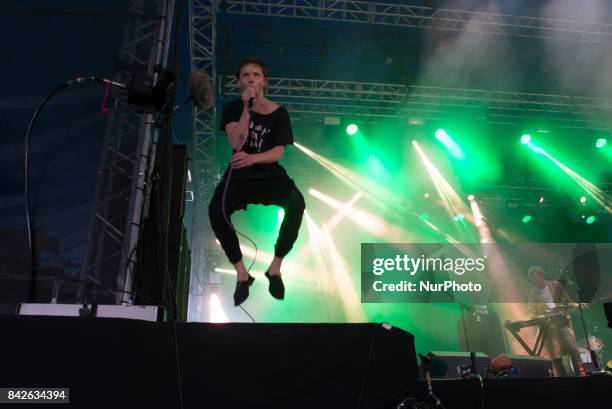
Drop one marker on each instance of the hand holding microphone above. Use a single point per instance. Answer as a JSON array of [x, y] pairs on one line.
[[241, 160], [248, 97]]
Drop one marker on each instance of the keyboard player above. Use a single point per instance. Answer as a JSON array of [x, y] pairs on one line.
[[546, 297]]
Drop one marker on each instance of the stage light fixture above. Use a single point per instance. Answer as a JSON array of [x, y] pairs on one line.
[[541, 200], [331, 120], [583, 199], [526, 218], [441, 134], [601, 142], [590, 220], [352, 129], [459, 217], [471, 197], [415, 121], [525, 139]]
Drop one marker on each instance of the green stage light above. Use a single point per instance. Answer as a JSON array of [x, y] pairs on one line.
[[601, 142], [595, 192], [590, 220], [525, 139], [441, 134], [526, 219], [535, 148], [352, 129], [449, 143], [375, 166], [459, 217], [424, 216], [471, 197]]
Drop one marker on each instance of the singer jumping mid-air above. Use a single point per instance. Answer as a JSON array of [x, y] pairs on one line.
[[257, 130]]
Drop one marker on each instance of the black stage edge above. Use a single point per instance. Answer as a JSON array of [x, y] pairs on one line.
[[117, 363], [593, 392]]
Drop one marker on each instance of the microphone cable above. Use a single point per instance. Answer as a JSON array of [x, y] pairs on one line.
[[26, 154], [229, 223]]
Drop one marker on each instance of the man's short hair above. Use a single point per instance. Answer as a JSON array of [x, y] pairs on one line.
[[253, 61], [536, 270]]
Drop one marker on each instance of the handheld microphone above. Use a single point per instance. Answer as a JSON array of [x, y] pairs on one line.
[[251, 102]]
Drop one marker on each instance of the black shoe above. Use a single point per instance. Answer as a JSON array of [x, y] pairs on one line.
[[241, 293], [276, 287]]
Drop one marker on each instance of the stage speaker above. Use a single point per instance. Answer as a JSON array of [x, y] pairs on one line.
[[481, 332], [522, 366], [182, 277], [155, 284], [586, 271], [460, 364], [178, 249]]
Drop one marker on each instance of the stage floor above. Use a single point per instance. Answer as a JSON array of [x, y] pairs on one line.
[[119, 363]]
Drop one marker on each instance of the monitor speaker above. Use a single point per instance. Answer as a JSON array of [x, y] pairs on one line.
[[460, 364], [522, 366]]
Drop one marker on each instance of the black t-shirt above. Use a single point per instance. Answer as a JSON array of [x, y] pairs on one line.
[[265, 132]]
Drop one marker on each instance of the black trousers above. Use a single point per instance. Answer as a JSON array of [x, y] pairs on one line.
[[280, 191], [569, 346]]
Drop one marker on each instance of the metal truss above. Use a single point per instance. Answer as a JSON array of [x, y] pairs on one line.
[[122, 188], [511, 198], [204, 281], [375, 101], [372, 102], [536, 197], [405, 15], [524, 192], [511, 100]]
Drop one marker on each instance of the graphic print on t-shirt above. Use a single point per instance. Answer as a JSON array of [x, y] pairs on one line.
[[256, 137]]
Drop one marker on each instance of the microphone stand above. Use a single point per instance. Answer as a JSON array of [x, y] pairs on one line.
[[463, 306], [592, 354], [435, 401], [465, 332]]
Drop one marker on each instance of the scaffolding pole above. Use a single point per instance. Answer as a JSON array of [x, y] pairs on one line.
[[406, 15], [204, 281], [122, 187]]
